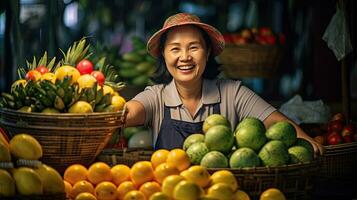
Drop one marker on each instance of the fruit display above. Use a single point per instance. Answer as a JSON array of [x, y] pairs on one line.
[[136, 67], [250, 145], [336, 131], [73, 85], [28, 176], [261, 36]]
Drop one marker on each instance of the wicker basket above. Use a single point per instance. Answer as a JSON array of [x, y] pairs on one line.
[[37, 197], [295, 180], [124, 156], [250, 60], [65, 138]]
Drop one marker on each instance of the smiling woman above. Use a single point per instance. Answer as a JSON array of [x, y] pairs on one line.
[[188, 90]]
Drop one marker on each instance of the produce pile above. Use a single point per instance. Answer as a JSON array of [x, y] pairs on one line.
[[29, 176], [168, 175], [261, 36], [73, 85], [249, 146]]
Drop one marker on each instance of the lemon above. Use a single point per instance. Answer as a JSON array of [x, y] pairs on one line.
[[51, 179], [49, 76], [68, 71], [186, 190], [118, 102], [28, 182], [86, 81], [81, 107], [85, 196], [25, 109], [7, 184], [197, 174], [240, 195], [224, 176], [107, 90], [220, 191], [25, 146], [159, 196], [272, 194], [50, 110], [169, 184]]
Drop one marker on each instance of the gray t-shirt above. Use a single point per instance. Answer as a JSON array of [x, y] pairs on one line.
[[236, 103]]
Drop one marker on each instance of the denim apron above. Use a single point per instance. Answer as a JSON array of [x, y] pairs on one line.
[[173, 132]]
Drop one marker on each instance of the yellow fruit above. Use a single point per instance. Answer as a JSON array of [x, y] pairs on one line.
[[141, 172], [186, 190], [25, 109], [134, 195], [164, 170], [81, 186], [225, 176], [85, 196], [124, 188], [67, 71], [220, 191], [68, 188], [118, 102], [19, 83], [159, 196], [272, 194], [86, 81], [240, 195], [197, 174], [120, 173], [106, 191], [158, 157], [25, 146], [169, 184], [149, 188], [81, 107], [99, 172], [7, 184], [50, 110], [4, 152], [28, 182], [75, 173], [51, 179], [205, 197], [49, 76], [107, 90], [179, 159]]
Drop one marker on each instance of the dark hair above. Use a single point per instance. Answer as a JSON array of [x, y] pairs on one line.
[[162, 75]]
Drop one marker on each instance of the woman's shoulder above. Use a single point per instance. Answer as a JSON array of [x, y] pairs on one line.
[[228, 83]]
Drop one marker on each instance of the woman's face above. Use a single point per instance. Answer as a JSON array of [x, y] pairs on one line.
[[185, 53]]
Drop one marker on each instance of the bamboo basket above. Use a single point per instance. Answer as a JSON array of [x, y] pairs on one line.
[[65, 138], [295, 180], [124, 156], [250, 60]]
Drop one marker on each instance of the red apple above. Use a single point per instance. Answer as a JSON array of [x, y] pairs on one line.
[[335, 125], [347, 130], [237, 39], [85, 67], [334, 138], [228, 38], [264, 31], [260, 40], [270, 39], [99, 76], [42, 69], [347, 138]]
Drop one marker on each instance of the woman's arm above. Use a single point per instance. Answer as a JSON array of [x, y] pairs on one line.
[[135, 114], [278, 116]]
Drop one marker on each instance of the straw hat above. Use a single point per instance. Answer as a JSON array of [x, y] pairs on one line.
[[185, 19]]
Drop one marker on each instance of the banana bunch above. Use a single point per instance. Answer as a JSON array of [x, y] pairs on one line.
[[137, 66]]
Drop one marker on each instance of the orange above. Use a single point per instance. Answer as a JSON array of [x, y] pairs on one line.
[[186, 190], [106, 191], [159, 157], [150, 188], [169, 184], [220, 191], [159, 196], [240, 195], [99, 172], [81, 186], [179, 159], [197, 174], [225, 176], [85, 196], [272, 194], [141, 172], [124, 188], [164, 170], [75, 173], [134, 195], [120, 173], [67, 188]]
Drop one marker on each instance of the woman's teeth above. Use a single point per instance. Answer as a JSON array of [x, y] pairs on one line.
[[187, 67]]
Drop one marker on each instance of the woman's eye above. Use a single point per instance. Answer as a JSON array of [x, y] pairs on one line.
[[194, 47], [175, 49]]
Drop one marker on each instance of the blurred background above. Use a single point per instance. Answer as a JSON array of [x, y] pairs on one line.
[[307, 66]]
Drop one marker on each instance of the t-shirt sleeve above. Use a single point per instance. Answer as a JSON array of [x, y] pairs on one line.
[[249, 104], [148, 98]]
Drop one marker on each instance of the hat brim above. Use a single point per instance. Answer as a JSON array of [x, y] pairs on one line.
[[216, 37]]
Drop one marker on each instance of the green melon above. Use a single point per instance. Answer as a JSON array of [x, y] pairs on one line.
[[196, 152], [274, 153], [213, 120], [214, 159], [219, 138], [191, 139], [282, 131], [244, 157], [299, 154]]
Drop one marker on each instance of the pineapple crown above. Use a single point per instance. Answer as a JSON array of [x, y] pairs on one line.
[[34, 64], [77, 52]]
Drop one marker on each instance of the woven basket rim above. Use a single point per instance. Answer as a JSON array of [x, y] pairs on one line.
[[253, 45]]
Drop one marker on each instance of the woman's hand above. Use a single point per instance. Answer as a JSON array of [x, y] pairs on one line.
[[319, 149]]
